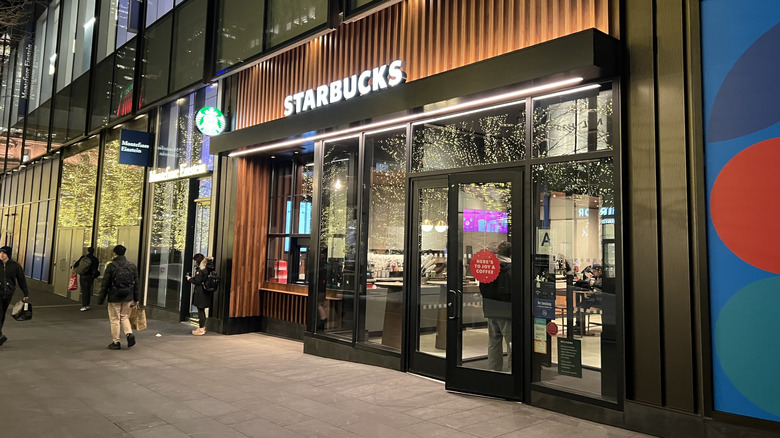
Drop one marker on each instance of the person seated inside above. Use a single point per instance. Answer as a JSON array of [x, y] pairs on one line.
[[592, 299]]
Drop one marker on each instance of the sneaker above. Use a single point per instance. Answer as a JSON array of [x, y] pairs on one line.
[[3, 338], [84, 308], [199, 331], [130, 340], [114, 346]]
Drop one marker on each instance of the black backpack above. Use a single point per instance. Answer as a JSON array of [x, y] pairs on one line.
[[211, 283], [94, 267], [123, 278]]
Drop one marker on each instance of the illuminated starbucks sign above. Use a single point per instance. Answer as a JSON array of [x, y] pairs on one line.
[[210, 121], [369, 81]]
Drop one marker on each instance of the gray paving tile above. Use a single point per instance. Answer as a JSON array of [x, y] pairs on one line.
[[427, 429], [319, 429], [264, 429], [372, 429]]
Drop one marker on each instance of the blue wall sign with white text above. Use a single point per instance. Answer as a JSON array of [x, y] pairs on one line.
[[135, 148]]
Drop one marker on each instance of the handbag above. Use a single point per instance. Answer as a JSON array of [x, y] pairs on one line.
[[22, 311], [73, 284], [137, 318]]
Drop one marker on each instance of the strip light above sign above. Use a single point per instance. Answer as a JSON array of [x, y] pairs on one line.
[[378, 78]]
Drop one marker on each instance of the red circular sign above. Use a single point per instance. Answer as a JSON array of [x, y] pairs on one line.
[[552, 328], [484, 266]]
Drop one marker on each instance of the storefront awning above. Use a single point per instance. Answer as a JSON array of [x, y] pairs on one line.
[[589, 54]]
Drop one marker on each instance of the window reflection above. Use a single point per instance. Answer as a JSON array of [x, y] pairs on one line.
[[382, 304], [338, 239], [288, 19], [574, 271], [487, 136], [240, 36], [573, 124]]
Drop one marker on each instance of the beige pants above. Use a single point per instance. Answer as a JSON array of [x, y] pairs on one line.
[[118, 315]]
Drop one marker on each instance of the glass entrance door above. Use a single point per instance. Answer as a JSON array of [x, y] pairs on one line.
[[484, 288]]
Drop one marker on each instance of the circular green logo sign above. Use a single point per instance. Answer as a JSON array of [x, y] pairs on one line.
[[210, 121]]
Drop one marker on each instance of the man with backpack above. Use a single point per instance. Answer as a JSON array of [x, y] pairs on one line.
[[120, 285], [87, 269]]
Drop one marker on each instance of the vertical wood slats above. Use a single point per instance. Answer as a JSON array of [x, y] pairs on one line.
[[251, 236], [285, 302], [432, 36]]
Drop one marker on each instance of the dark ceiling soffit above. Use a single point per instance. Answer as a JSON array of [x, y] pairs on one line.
[[590, 54]]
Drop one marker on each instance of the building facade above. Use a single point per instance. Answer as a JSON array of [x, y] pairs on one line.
[[527, 200]]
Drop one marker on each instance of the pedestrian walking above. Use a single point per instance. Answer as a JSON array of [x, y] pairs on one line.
[[87, 269], [120, 286], [12, 274]]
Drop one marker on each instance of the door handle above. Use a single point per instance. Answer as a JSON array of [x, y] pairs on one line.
[[452, 297], [459, 306]]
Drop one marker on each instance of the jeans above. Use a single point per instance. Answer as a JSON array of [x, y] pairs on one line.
[[499, 330], [4, 303], [86, 289], [118, 316]]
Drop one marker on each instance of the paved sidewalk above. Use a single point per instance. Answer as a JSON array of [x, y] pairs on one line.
[[58, 379]]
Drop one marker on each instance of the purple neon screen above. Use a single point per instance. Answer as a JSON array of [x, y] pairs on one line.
[[485, 221]]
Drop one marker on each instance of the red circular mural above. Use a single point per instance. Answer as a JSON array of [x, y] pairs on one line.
[[484, 266], [745, 205]]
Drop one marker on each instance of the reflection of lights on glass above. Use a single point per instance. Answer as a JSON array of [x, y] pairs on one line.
[[426, 225], [337, 184], [440, 226]]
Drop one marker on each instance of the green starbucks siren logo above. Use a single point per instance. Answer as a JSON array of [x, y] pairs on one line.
[[210, 121]]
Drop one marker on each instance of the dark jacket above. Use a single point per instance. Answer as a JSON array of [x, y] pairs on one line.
[[497, 296], [200, 298], [107, 286], [12, 274], [91, 269]]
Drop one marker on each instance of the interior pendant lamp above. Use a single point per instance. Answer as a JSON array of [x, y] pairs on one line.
[[440, 226], [426, 225]]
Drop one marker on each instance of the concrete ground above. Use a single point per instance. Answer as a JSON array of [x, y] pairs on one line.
[[58, 379]]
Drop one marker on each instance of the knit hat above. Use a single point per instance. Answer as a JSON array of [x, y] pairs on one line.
[[119, 250], [6, 250]]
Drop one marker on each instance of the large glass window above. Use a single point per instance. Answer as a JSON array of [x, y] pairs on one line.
[[167, 264], [120, 21], [288, 19], [67, 43], [240, 35], [38, 57], [574, 123], [337, 283], [102, 86], [124, 72], [382, 304], [574, 268], [189, 38], [290, 222], [179, 142], [59, 122], [119, 218], [155, 63], [28, 218], [84, 34], [15, 154], [77, 116], [156, 9], [487, 136]]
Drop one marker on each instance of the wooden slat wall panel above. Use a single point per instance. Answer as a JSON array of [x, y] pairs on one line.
[[251, 235], [432, 36], [284, 307]]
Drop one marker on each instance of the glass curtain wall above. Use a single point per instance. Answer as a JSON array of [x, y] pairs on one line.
[[179, 145], [337, 282], [121, 197], [120, 21], [288, 19], [239, 36], [382, 297], [28, 216], [189, 39], [574, 261], [156, 62]]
